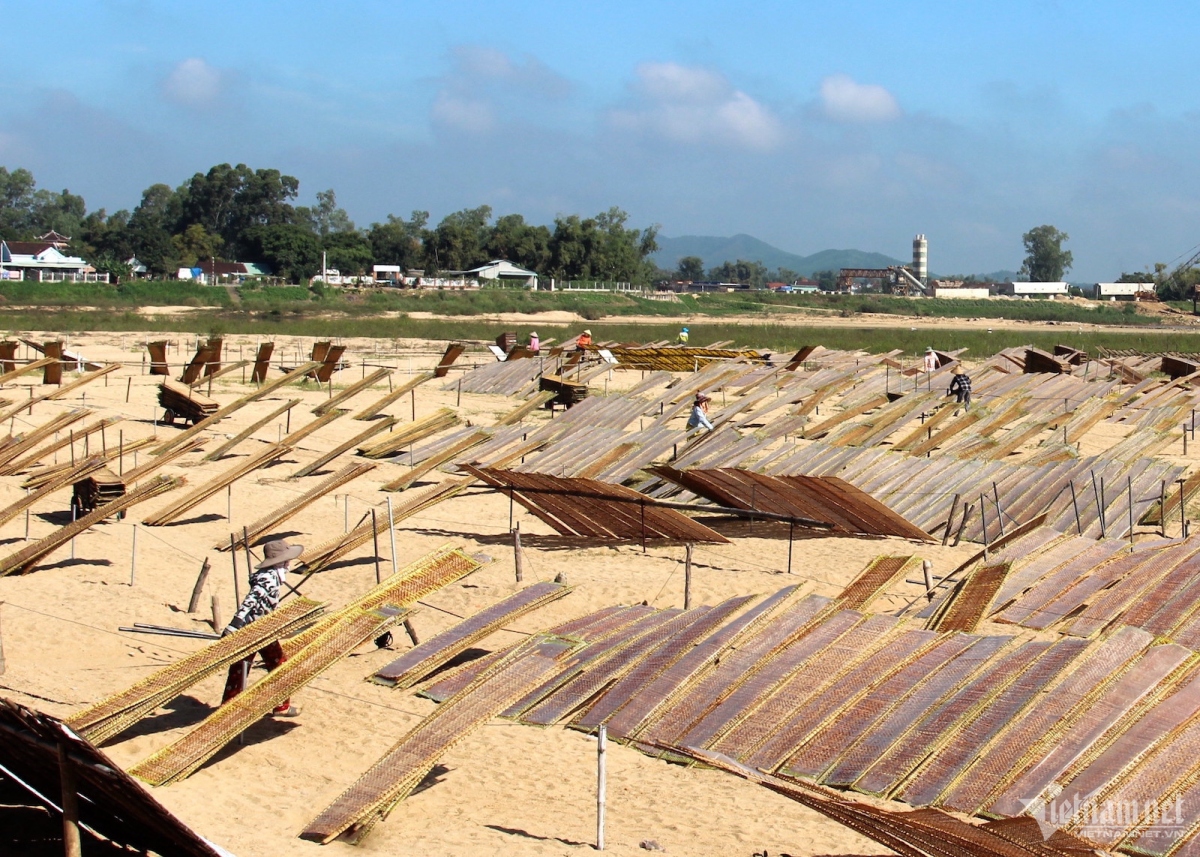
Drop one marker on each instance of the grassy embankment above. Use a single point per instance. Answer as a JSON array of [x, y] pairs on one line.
[[292, 311]]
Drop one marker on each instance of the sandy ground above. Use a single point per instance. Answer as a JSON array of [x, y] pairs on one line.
[[509, 789], [1172, 320]]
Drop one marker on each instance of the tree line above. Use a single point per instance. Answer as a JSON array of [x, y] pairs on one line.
[[235, 213]]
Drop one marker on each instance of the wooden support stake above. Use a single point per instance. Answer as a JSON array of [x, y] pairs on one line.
[[3, 666], [237, 587], [217, 624], [517, 558], [927, 573], [375, 537], [411, 631], [1129, 487], [999, 509], [601, 783], [229, 502], [968, 508], [249, 556], [199, 587], [72, 844], [1162, 509], [687, 578], [392, 535], [1075, 503], [129, 384], [133, 557], [983, 512], [950, 521]]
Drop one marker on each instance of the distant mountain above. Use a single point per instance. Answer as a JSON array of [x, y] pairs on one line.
[[715, 250]]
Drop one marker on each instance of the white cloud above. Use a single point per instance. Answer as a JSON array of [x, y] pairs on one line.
[[484, 88], [464, 114], [694, 105], [193, 83], [845, 100]]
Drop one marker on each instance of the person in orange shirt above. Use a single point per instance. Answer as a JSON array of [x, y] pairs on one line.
[[584, 340]]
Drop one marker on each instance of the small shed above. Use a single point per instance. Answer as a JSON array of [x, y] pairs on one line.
[[503, 270], [962, 292], [1120, 291], [1022, 290]]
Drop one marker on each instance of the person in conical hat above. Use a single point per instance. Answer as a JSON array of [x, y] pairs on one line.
[[266, 579]]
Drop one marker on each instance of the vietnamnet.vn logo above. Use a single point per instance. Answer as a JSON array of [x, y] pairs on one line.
[[1109, 819]]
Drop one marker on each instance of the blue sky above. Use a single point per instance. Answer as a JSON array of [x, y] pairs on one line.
[[808, 125]]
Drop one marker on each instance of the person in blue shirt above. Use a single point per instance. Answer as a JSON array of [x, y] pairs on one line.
[[699, 417]]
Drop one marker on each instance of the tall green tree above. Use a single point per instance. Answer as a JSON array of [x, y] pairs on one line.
[[398, 241], [691, 268], [459, 242], [519, 242], [1045, 259], [325, 217], [231, 201], [349, 252], [292, 251]]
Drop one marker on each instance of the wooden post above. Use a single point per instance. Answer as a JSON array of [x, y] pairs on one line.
[[601, 783], [249, 556], [950, 520], [199, 587], [74, 517], [217, 624], [1162, 509], [1075, 503], [413, 395], [133, 557], [3, 667], [983, 512], [1099, 504], [411, 631], [1129, 487], [999, 510], [1182, 520], [458, 402], [968, 508], [229, 502], [72, 844], [237, 587], [687, 578], [392, 535], [375, 537], [517, 558], [129, 386], [927, 573]]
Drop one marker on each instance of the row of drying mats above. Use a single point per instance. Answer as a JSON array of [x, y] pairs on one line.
[[866, 457]]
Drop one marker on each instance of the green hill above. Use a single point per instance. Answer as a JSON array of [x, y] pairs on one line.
[[714, 251]]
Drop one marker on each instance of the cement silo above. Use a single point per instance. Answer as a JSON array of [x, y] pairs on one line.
[[920, 262]]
